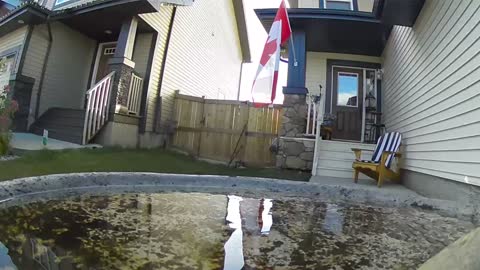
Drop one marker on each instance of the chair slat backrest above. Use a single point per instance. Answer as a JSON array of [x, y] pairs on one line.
[[389, 142]]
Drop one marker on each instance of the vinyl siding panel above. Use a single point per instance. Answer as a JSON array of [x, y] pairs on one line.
[[68, 69], [15, 39], [34, 61], [141, 52], [308, 3], [160, 22], [205, 56], [432, 90]]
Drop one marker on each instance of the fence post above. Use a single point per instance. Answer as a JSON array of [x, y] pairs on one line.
[[202, 125]]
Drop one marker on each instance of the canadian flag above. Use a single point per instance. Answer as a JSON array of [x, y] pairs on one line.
[[265, 83]]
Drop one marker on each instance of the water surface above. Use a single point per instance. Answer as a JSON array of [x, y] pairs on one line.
[[202, 231]]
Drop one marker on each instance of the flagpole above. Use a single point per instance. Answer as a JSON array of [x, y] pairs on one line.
[[295, 62]]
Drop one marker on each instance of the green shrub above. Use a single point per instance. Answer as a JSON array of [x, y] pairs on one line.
[[8, 107]]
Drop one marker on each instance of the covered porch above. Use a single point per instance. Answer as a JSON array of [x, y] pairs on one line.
[[333, 96], [107, 74]]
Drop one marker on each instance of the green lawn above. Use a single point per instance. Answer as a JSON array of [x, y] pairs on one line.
[[120, 160]]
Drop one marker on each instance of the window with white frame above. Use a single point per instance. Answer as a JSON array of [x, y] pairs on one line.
[[338, 4]]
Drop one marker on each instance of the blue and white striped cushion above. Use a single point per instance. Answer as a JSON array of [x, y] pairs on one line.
[[389, 142]]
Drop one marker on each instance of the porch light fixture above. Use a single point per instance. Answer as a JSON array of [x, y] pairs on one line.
[[21, 21], [108, 32]]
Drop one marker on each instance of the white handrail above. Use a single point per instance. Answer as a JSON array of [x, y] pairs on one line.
[[135, 95], [313, 114], [98, 107]]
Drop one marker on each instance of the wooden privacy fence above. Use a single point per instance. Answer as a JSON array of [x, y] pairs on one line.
[[225, 130]]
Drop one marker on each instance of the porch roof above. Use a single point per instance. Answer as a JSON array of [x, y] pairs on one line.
[[102, 20], [344, 31], [24, 15], [335, 31]]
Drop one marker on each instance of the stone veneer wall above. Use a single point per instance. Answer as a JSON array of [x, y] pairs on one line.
[[294, 118], [295, 153], [293, 150], [121, 87]]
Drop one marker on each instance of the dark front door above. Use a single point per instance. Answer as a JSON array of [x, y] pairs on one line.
[[107, 52], [347, 103]]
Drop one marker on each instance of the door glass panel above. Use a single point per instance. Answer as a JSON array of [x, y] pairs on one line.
[[338, 5], [347, 90]]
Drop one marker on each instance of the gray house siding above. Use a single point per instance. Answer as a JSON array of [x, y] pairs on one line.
[[13, 43], [431, 90], [68, 67], [34, 61]]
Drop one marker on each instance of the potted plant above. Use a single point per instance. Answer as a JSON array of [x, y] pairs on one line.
[[329, 120], [8, 107]]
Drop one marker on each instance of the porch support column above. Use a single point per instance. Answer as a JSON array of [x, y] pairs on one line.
[[123, 66], [297, 71], [294, 151], [294, 119]]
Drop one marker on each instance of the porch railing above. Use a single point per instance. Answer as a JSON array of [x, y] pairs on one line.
[[135, 95], [98, 107], [313, 115]]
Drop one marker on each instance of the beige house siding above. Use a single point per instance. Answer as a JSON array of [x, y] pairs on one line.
[[68, 69], [431, 90], [308, 3], [14, 40], [160, 21], [205, 56], [316, 73]]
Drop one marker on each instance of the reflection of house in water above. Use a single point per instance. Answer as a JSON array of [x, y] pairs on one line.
[[334, 219], [38, 256]]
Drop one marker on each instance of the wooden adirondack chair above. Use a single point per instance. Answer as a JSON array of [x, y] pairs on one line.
[[378, 167]]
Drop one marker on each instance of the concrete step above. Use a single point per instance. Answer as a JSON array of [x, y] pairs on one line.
[[338, 146], [337, 172], [322, 154], [335, 163], [62, 124]]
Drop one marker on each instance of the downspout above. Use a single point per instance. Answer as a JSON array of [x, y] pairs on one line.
[[44, 68], [240, 80], [158, 107]]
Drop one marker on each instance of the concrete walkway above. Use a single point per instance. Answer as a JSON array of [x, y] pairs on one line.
[[32, 142], [388, 188]]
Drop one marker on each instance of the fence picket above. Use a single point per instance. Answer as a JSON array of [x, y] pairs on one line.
[[212, 129]]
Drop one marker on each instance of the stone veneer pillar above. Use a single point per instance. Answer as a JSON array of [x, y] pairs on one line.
[[121, 87], [123, 66], [294, 118], [294, 151]]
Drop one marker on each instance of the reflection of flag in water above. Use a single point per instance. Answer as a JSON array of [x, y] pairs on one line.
[[265, 219], [234, 259], [265, 83]]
